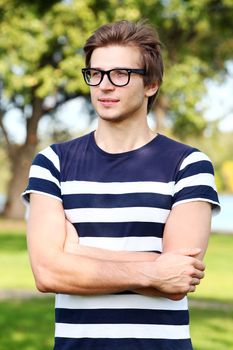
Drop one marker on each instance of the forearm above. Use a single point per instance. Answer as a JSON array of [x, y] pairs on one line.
[[75, 274], [109, 255]]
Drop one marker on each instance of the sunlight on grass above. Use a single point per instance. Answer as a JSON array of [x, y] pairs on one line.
[[16, 272], [15, 269]]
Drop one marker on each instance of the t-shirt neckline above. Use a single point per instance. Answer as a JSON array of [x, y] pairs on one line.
[[122, 154]]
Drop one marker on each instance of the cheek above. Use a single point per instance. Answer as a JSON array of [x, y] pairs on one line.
[[93, 95]]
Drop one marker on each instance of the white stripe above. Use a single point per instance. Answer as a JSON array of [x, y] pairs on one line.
[[126, 214], [123, 243], [215, 209], [92, 187], [119, 301], [121, 331], [196, 180], [42, 173], [38, 192], [193, 158], [49, 153]]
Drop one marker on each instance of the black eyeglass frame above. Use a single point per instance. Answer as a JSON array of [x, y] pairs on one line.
[[107, 72]]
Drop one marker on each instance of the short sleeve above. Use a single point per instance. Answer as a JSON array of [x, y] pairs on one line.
[[44, 175], [195, 181]]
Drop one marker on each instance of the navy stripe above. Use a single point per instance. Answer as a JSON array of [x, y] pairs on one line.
[[44, 162], [45, 186], [200, 191], [120, 229], [152, 200], [122, 344], [122, 316], [200, 167]]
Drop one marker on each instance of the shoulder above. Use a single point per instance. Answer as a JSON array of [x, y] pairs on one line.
[[180, 154], [175, 146], [70, 146]]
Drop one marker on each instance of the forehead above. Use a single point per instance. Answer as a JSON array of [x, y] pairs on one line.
[[115, 56]]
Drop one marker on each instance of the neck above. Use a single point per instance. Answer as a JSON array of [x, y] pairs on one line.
[[122, 137]]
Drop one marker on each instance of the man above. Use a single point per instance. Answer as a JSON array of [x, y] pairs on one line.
[[119, 219]]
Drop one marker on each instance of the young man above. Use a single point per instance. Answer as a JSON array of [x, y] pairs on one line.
[[119, 219]]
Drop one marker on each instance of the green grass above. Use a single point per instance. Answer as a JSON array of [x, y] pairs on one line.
[[26, 324], [211, 329]]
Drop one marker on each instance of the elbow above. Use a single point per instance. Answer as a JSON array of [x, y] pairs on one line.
[[42, 287], [177, 297], [43, 280]]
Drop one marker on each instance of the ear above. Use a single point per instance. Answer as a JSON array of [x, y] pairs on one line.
[[151, 89]]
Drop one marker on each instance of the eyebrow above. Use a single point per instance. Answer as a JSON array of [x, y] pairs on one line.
[[98, 68]]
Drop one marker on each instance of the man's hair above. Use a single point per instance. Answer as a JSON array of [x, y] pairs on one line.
[[139, 35]]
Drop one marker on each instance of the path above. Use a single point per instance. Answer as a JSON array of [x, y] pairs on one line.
[[29, 294]]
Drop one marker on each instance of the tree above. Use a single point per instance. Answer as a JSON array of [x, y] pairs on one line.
[[41, 57]]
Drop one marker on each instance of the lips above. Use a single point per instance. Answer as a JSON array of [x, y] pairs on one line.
[[108, 101]]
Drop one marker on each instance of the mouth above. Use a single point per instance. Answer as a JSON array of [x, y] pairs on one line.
[[107, 101]]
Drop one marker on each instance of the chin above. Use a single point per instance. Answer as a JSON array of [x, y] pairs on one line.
[[112, 118]]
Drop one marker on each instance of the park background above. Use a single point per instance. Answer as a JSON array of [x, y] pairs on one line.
[[43, 99]]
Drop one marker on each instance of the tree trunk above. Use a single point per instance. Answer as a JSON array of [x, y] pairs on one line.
[[20, 164], [20, 159]]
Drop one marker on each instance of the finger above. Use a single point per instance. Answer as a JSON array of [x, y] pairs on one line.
[[195, 281], [192, 288], [198, 264], [198, 274]]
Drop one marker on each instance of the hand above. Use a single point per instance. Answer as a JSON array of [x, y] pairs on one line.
[[72, 239], [178, 272]]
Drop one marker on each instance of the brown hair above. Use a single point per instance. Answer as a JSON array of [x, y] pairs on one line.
[[138, 34]]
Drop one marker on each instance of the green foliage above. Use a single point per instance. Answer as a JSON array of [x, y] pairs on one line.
[[41, 56], [41, 47]]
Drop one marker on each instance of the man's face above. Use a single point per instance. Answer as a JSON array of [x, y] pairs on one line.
[[113, 103]]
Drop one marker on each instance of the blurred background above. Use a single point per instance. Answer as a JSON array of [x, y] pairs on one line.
[[43, 99]]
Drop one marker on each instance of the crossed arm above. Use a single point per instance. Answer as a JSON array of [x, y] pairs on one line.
[[61, 265]]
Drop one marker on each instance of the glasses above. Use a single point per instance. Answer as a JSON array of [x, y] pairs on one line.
[[117, 76]]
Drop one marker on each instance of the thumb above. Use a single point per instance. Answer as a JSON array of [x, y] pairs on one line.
[[188, 251]]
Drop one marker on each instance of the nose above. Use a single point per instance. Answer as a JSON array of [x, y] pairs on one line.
[[106, 83]]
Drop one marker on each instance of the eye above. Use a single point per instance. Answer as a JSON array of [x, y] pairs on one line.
[[120, 73], [95, 73]]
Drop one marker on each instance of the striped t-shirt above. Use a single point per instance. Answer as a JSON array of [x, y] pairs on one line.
[[121, 202]]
